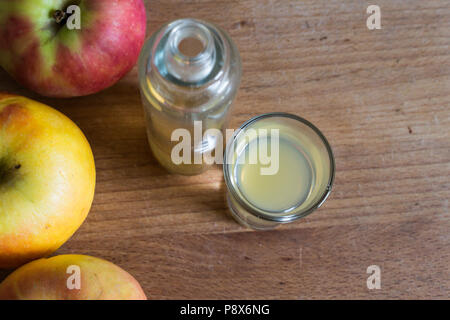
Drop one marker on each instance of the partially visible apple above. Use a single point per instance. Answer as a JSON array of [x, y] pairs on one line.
[[47, 179], [71, 277], [41, 53]]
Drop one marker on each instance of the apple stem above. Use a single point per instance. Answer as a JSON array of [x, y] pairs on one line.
[[59, 16]]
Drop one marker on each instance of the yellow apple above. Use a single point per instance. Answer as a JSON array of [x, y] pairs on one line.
[[47, 179], [71, 277]]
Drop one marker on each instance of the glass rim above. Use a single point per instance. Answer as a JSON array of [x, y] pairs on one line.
[[267, 215]]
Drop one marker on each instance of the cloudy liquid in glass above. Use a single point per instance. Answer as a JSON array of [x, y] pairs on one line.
[[283, 191]]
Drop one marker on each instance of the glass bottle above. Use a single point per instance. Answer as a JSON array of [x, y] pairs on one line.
[[189, 74]]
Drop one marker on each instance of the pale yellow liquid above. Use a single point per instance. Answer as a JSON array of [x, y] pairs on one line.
[[283, 191]]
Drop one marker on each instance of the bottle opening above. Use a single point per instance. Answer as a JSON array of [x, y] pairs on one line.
[[191, 47], [190, 53]]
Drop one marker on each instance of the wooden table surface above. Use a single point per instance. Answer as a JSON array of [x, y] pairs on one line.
[[381, 97]]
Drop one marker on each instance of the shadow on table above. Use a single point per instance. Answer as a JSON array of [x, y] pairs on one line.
[[210, 193]]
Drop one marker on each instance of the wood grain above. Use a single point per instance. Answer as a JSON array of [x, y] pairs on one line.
[[381, 97]]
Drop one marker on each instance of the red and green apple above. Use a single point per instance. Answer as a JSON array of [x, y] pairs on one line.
[[56, 279], [42, 53]]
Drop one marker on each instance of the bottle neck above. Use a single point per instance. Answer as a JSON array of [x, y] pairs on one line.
[[190, 52]]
